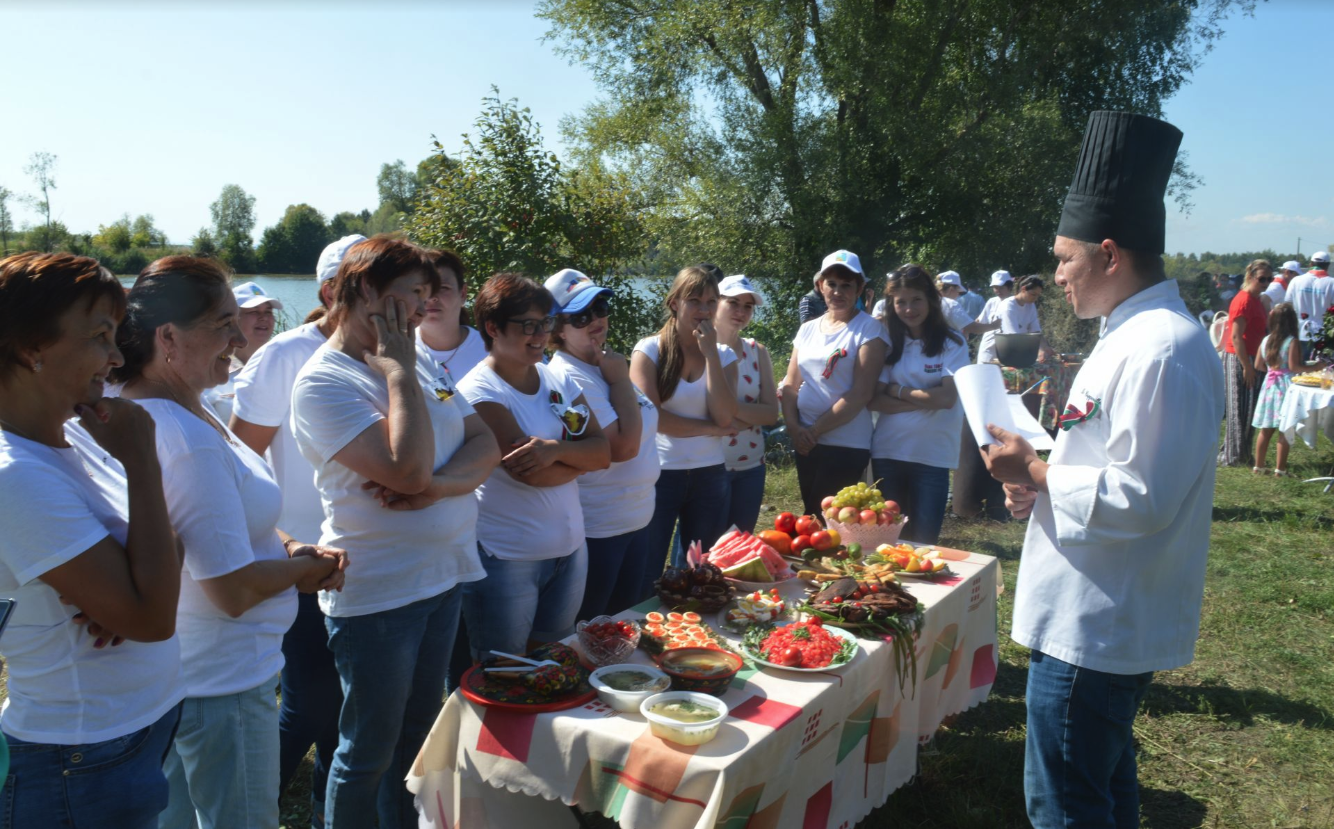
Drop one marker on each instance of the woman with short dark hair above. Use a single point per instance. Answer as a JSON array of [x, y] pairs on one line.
[[238, 588], [87, 533], [1019, 313], [397, 454]]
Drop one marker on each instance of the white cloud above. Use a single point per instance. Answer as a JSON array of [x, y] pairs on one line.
[[1283, 219]]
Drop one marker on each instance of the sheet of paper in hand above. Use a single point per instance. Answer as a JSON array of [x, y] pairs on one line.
[[984, 399]]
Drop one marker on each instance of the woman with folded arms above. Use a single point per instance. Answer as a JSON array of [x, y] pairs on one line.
[[617, 501], [86, 532], [530, 526], [397, 454], [836, 359], [691, 378], [916, 438]]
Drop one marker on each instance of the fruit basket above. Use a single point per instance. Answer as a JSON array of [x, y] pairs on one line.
[[607, 641], [870, 536], [862, 516]]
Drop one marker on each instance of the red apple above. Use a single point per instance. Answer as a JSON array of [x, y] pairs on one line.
[[892, 508], [868, 516], [827, 502], [847, 515]]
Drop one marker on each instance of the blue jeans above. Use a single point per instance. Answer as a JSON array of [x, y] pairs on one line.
[[745, 494], [222, 769], [312, 697], [392, 665], [696, 498], [114, 784], [523, 600], [615, 571], [1079, 757], [921, 492]]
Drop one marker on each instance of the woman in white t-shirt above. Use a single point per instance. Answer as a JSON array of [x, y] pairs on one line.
[[86, 534], [618, 501], [238, 588], [530, 525], [916, 438], [397, 454], [757, 401], [451, 344], [691, 378], [836, 359], [1003, 286], [1019, 314]]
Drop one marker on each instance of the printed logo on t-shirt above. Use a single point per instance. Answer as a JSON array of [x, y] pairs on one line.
[[442, 387], [1074, 414], [644, 402], [933, 368], [573, 419]]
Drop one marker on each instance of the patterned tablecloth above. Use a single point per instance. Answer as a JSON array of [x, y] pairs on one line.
[[806, 751], [1055, 379], [1307, 412]]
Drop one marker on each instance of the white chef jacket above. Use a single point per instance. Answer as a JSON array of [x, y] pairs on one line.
[[1112, 574]]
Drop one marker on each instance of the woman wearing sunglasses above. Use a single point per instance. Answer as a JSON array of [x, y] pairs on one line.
[[530, 526], [617, 502]]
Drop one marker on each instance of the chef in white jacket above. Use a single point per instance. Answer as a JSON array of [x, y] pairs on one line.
[[1112, 574]]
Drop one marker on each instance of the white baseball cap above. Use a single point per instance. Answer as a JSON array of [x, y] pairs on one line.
[[572, 290], [950, 278], [251, 295], [1000, 278], [1291, 265], [332, 256], [846, 258], [1320, 256], [738, 285]]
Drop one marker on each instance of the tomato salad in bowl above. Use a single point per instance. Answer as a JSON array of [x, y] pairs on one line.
[[800, 646]]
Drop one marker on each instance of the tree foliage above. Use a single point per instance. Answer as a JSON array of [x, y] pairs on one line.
[[510, 205], [293, 245], [41, 167], [765, 133], [233, 222], [6, 220], [397, 186]]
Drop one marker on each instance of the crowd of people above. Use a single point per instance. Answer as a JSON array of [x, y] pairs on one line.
[[1266, 336], [195, 517]]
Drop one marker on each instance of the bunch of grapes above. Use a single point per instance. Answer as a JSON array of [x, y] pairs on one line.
[[861, 496]]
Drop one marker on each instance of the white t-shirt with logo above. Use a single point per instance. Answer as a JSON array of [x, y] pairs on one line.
[[815, 352], [224, 504], [619, 499], [516, 521], [263, 396], [395, 557], [689, 400], [986, 349], [457, 361], [55, 504], [925, 436]]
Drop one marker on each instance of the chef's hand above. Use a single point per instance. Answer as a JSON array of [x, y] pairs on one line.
[[1019, 499], [1014, 461]]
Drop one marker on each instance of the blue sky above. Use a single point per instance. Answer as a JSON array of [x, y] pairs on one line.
[[152, 107]]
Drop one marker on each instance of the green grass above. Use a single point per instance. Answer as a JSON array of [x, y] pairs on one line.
[[1243, 737]]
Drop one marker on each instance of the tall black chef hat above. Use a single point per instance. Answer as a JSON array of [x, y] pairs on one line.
[[1120, 181]]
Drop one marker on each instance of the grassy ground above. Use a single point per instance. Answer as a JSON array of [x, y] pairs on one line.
[[1242, 737]]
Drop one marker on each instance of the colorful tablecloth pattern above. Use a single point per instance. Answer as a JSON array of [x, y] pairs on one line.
[[1307, 412], [1055, 379], [799, 751]]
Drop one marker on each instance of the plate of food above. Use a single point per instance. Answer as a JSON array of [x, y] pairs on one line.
[[745, 560], [909, 562], [535, 690], [806, 647]]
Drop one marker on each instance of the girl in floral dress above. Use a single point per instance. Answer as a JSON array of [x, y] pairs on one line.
[[1279, 357]]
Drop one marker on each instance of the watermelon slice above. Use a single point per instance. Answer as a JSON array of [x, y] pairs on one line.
[[752, 569]]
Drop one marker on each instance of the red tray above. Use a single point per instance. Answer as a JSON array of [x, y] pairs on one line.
[[471, 686]]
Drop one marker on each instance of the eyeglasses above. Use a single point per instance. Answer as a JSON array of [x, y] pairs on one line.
[[533, 327], [600, 309]]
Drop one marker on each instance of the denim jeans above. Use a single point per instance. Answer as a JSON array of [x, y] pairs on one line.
[[1079, 757], [392, 665], [696, 498], [222, 769], [114, 784], [615, 571], [312, 697], [523, 600], [826, 470], [745, 494], [921, 492]]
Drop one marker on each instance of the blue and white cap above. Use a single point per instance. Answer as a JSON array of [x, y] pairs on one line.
[[251, 295], [573, 291], [846, 258], [738, 285]]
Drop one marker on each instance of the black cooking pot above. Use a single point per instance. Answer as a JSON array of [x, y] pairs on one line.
[[1018, 350]]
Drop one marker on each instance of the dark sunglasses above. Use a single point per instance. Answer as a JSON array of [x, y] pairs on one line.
[[600, 308], [533, 327]]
